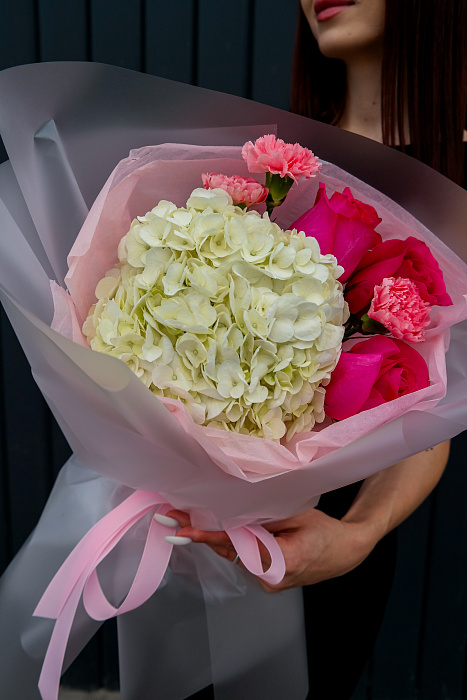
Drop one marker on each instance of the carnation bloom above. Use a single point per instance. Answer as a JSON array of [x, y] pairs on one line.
[[270, 155], [243, 190], [411, 259], [397, 304]]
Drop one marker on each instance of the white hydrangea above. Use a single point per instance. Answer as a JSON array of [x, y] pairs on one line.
[[222, 309]]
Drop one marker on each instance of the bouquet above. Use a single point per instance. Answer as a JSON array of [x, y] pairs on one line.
[[222, 309], [134, 457]]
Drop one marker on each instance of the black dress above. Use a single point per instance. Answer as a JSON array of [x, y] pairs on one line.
[[343, 615]]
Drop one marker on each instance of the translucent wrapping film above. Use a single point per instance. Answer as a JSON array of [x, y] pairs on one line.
[[66, 126]]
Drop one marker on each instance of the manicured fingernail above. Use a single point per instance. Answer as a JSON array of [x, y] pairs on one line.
[[166, 520], [173, 539]]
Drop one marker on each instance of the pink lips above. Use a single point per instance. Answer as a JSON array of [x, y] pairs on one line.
[[325, 9]]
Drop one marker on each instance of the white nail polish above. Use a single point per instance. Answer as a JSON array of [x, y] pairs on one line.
[[166, 520], [173, 539]]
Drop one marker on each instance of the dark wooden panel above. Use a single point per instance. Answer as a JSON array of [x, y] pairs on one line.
[[59, 448], [273, 41], [170, 39], [62, 30], [18, 33], [116, 35], [224, 60], [28, 447], [443, 639], [5, 515], [3, 153]]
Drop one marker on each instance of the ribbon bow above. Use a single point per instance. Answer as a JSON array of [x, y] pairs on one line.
[[78, 574]]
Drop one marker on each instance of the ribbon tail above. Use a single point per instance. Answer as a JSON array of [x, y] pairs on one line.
[[78, 576], [101, 538], [49, 680], [151, 570]]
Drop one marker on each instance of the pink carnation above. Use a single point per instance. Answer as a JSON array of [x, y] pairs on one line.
[[243, 190], [410, 259], [397, 304], [268, 154]]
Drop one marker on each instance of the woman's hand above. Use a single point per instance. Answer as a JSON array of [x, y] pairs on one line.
[[315, 546]]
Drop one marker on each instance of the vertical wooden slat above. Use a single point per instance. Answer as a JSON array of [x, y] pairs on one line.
[[443, 644], [170, 40], [116, 36], [18, 42], [223, 52], [274, 32], [62, 26]]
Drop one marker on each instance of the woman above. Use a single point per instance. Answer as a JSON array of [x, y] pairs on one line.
[[394, 73]]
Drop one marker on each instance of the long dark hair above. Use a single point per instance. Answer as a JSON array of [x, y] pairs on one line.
[[424, 58]]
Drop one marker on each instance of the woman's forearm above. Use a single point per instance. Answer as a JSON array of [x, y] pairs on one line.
[[390, 496]]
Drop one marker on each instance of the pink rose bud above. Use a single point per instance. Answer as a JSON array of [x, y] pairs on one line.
[[270, 155], [398, 306], [371, 373], [243, 190]]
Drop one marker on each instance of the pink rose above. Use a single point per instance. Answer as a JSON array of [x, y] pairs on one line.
[[398, 306], [373, 372], [411, 259], [270, 155], [243, 190], [343, 226]]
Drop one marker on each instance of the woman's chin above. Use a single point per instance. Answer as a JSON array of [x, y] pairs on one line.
[[345, 45]]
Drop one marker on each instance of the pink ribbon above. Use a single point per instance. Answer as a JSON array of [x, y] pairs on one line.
[[78, 576]]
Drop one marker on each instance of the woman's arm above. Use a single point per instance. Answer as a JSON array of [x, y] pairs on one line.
[[317, 547]]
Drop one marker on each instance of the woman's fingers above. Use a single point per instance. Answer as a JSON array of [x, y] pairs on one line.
[[182, 518], [218, 540]]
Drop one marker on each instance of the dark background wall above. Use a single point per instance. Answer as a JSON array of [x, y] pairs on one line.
[[245, 48]]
